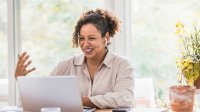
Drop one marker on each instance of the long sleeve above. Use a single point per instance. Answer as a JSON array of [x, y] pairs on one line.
[[123, 92]]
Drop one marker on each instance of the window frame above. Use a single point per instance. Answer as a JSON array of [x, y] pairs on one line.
[[13, 46]]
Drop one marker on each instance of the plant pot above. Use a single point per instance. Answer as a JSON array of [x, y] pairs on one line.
[[197, 83], [182, 98]]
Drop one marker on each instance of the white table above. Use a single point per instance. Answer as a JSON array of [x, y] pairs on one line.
[[18, 109]]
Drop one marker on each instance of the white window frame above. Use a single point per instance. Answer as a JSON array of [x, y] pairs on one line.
[[14, 46], [121, 44]]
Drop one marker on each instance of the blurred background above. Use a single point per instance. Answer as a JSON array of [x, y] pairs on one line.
[[46, 28]]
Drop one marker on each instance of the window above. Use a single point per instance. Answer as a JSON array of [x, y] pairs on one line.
[[47, 28], [3, 54], [154, 40]]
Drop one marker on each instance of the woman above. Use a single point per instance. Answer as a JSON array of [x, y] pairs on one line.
[[106, 79]]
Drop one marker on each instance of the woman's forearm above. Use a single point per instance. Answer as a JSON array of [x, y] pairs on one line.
[[86, 102]]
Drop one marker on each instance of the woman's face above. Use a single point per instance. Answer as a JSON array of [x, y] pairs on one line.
[[91, 42]]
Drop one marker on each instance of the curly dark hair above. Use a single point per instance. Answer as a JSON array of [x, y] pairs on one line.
[[103, 20]]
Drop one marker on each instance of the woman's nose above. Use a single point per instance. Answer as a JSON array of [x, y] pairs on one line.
[[86, 43]]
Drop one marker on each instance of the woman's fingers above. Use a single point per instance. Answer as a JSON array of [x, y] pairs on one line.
[[27, 64], [28, 71], [24, 72], [24, 60], [21, 57], [22, 64]]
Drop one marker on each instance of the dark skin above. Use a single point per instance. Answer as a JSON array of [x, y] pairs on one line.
[[22, 64], [86, 102]]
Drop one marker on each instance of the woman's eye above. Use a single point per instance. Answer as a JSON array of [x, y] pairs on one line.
[[91, 38], [81, 38]]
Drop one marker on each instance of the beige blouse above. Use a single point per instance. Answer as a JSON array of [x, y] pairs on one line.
[[113, 84]]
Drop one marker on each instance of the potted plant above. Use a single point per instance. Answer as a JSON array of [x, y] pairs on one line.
[[182, 96]]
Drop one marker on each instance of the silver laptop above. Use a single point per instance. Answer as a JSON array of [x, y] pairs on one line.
[[50, 91]]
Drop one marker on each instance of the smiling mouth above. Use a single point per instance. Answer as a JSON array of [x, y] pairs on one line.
[[88, 50]]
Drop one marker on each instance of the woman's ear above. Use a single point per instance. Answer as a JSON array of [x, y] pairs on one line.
[[106, 42], [107, 37]]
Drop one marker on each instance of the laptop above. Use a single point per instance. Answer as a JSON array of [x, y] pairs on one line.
[[50, 91]]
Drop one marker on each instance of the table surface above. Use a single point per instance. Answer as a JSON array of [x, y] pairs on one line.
[[14, 108], [135, 110]]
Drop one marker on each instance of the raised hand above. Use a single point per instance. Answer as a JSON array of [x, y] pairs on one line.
[[22, 64]]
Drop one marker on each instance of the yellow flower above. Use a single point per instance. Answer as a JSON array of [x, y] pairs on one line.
[[180, 28], [190, 66], [189, 63], [190, 81], [179, 25]]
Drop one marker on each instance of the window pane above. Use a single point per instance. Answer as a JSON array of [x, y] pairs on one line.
[[3, 54], [154, 41], [47, 27]]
